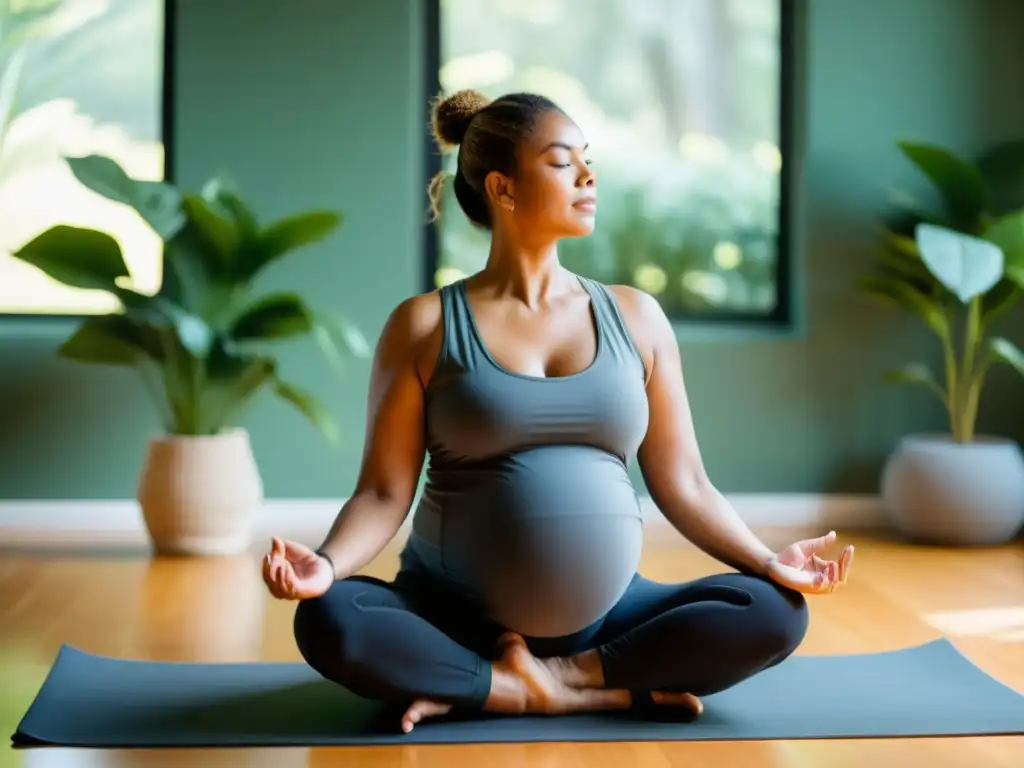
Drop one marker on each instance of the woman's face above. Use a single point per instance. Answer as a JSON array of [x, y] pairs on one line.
[[553, 194]]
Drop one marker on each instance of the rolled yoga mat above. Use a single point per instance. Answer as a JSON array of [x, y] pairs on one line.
[[96, 701]]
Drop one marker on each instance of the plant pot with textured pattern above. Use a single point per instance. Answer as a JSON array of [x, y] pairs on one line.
[[937, 490], [199, 494]]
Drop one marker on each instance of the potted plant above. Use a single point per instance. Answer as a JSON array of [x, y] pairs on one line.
[[957, 271], [203, 343]]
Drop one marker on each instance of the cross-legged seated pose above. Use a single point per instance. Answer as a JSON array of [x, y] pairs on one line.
[[531, 389]]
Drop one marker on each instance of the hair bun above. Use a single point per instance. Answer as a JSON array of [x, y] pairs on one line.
[[453, 114]]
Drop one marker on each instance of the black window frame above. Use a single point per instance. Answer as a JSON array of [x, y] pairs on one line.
[[167, 112], [782, 315]]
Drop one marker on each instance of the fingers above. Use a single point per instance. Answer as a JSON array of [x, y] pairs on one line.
[[272, 569], [295, 551], [829, 577], [810, 546], [279, 575], [845, 563], [822, 579], [267, 578]]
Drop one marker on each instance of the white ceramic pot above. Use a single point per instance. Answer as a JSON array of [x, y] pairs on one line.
[[938, 491], [199, 493]]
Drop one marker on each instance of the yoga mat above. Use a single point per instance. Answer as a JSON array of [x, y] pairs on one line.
[[96, 701]]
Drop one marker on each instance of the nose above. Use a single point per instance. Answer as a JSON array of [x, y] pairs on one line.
[[587, 177]]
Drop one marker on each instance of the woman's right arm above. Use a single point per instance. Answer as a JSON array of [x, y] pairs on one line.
[[393, 450]]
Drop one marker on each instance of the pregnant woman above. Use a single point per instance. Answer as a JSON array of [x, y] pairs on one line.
[[530, 389]]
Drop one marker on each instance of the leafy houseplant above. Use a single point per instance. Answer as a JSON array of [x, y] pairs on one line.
[[196, 340], [957, 270], [201, 341]]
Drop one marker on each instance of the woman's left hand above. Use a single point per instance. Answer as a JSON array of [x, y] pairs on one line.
[[800, 568]]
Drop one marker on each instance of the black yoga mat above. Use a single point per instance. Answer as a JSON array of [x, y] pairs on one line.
[[96, 701]]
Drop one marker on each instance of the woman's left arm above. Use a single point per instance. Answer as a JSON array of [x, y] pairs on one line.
[[674, 472], [669, 456]]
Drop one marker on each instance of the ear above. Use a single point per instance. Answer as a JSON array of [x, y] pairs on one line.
[[500, 190]]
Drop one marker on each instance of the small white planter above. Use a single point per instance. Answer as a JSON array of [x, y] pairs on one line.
[[199, 494], [938, 491]]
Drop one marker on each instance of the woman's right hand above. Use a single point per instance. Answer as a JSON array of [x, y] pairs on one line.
[[295, 572]]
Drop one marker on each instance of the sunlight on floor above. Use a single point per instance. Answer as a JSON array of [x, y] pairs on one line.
[[1004, 624]]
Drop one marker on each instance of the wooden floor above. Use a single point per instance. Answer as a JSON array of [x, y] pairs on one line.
[[129, 605]]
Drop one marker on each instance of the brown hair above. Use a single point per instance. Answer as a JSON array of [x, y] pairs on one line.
[[487, 134]]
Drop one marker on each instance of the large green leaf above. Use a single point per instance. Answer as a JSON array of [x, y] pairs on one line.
[[159, 204], [218, 232], [1005, 351], [1015, 273], [1008, 233], [902, 244], [233, 379], [185, 277], [899, 253], [906, 296], [195, 278], [1003, 169], [275, 316], [193, 333], [289, 234], [1000, 299], [105, 340], [959, 182], [310, 407], [967, 266], [104, 176], [218, 193], [917, 374], [76, 257]]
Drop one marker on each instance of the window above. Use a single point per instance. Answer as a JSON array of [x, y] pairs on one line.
[[77, 77], [684, 103]]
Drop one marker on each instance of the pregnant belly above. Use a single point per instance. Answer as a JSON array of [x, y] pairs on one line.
[[549, 540]]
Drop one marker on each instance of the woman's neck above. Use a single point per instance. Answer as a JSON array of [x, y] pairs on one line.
[[531, 274]]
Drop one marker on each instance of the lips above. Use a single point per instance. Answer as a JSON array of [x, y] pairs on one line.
[[588, 204]]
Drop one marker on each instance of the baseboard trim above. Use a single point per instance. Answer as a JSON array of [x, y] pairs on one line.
[[119, 521]]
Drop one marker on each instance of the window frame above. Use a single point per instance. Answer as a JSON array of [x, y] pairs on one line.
[[783, 315], [167, 99]]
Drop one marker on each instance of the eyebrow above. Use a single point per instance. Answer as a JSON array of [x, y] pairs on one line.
[[563, 145]]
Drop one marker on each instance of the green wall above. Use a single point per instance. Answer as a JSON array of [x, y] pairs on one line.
[[335, 119]]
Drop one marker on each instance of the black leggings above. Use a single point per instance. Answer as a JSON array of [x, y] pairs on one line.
[[412, 638]]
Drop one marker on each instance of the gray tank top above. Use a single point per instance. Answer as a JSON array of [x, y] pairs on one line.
[[528, 509]]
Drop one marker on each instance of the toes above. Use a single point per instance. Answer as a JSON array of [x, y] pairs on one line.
[[421, 709], [686, 700]]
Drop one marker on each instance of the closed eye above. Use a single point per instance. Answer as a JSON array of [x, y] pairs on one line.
[[567, 165]]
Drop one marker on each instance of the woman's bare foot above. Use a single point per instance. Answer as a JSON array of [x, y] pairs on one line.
[[585, 670], [546, 691], [522, 684]]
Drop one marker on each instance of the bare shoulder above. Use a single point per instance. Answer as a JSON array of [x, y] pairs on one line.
[[644, 316], [418, 316], [413, 333]]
